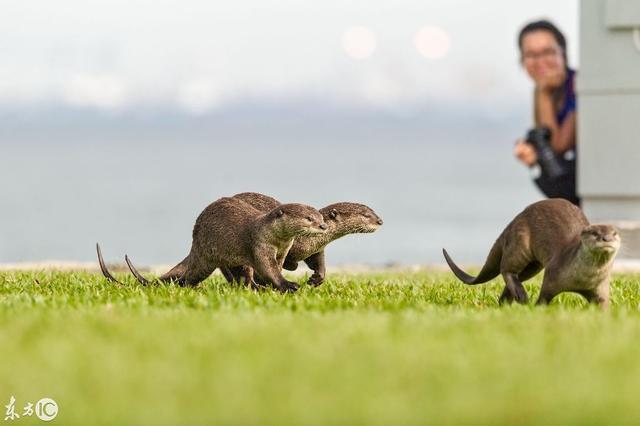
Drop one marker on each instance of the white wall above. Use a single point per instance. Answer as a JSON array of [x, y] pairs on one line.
[[609, 116]]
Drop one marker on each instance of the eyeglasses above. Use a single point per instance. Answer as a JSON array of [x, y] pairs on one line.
[[548, 53]]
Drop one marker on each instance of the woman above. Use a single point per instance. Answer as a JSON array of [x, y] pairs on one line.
[[543, 53]]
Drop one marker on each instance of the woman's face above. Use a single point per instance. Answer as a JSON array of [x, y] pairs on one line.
[[542, 56]]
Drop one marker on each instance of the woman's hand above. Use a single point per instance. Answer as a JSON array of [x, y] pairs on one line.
[[525, 153], [551, 81]]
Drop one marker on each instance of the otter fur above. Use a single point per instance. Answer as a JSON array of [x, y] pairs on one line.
[[231, 233], [341, 219], [555, 235]]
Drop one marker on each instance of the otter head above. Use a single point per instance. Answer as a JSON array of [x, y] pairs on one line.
[[298, 219], [351, 218], [601, 239]]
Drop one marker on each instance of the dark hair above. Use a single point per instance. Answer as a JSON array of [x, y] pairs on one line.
[[545, 25]]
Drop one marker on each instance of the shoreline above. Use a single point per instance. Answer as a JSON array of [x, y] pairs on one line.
[[620, 266], [71, 266]]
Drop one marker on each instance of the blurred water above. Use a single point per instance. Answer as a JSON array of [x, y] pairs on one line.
[[139, 192]]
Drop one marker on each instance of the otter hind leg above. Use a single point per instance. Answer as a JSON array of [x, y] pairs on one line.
[[505, 297], [251, 279], [514, 288], [246, 274], [194, 277], [235, 274], [515, 265], [530, 271], [198, 269]]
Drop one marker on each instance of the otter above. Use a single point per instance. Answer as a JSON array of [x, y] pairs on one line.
[[341, 218], [231, 233], [555, 235]]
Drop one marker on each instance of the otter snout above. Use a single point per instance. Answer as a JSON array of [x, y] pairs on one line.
[[601, 238], [379, 221]]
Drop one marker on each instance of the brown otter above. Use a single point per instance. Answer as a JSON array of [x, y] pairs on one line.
[[341, 219], [231, 233], [555, 235]]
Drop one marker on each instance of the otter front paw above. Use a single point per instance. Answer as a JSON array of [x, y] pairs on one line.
[[288, 287]]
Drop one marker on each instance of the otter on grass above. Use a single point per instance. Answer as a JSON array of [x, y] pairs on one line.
[[554, 235], [230, 233], [341, 219]]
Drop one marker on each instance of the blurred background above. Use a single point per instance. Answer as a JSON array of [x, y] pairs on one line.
[[121, 120]]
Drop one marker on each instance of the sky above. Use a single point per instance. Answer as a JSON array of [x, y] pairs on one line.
[[200, 56], [109, 109]]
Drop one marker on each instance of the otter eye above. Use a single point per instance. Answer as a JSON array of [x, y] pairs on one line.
[[309, 218], [367, 215]]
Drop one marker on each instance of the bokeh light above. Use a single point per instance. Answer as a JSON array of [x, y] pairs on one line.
[[432, 42], [359, 42]]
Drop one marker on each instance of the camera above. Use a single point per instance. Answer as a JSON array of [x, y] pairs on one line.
[[540, 139]]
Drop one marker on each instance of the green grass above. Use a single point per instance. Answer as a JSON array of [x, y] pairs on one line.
[[361, 349]]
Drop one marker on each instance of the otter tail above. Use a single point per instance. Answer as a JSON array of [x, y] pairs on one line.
[[490, 270], [103, 267], [142, 280], [175, 274]]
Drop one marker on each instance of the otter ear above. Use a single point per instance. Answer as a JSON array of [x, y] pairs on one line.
[[333, 213], [280, 213]]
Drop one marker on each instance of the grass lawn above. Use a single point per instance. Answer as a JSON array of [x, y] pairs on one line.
[[382, 349]]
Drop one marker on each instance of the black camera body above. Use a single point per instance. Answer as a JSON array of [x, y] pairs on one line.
[[540, 139]]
